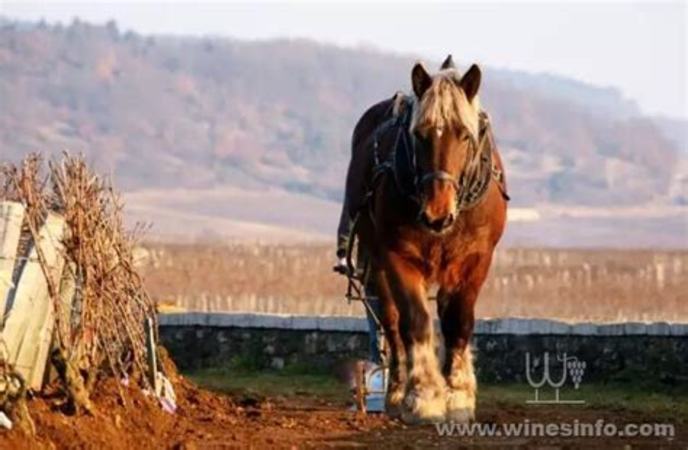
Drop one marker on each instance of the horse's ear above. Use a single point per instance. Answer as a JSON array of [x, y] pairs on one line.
[[470, 82], [420, 80], [448, 63]]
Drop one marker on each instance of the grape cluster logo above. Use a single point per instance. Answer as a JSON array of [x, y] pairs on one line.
[[576, 369], [570, 366]]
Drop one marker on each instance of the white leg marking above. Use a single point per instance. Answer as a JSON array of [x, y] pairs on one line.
[[462, 388], [425, 400]]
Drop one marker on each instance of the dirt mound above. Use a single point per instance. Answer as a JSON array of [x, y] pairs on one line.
[[139, 422], [203, 419]]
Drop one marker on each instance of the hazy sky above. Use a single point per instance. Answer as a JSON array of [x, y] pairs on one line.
[[638, 47]]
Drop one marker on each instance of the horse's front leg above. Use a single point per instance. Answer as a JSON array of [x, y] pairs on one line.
[[456, 310], [425, 399], [457, 319]]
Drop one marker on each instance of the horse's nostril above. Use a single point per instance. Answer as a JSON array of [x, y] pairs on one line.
[[439, 224]]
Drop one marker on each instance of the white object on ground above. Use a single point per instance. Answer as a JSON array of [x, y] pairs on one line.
[[168, 399], [5, 421], [375, 382], [376, 386]]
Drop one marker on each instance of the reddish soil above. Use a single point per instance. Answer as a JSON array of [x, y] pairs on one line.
[[209, 420]]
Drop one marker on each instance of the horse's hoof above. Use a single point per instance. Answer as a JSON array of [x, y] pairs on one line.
[[393, 411], [394, 403], [460, 406], [426, 406]]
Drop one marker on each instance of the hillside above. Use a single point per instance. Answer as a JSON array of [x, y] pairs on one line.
[[199, 114]]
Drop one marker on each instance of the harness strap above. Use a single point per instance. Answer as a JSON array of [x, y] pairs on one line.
[[439, 175]]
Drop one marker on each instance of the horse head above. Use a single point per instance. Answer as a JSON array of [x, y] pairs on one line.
[[446, 125]]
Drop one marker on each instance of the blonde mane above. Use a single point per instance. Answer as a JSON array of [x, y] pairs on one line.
[[444, 106]]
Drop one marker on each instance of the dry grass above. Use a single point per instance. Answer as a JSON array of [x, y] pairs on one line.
[[572, 285], [99, 302]]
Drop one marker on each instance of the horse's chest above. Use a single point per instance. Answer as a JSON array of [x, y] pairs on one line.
[[443, 258], [436, 255]]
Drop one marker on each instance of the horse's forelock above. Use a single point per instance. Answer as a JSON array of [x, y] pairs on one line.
[[444, 105]]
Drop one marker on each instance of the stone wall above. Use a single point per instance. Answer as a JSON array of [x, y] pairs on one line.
[[657, 352]]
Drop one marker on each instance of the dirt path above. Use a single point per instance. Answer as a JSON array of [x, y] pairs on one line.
[[209, 420]]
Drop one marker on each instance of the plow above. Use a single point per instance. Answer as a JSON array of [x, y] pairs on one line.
[[370, 377]]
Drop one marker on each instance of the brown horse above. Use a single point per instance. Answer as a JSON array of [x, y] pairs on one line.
[[436, 208]]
